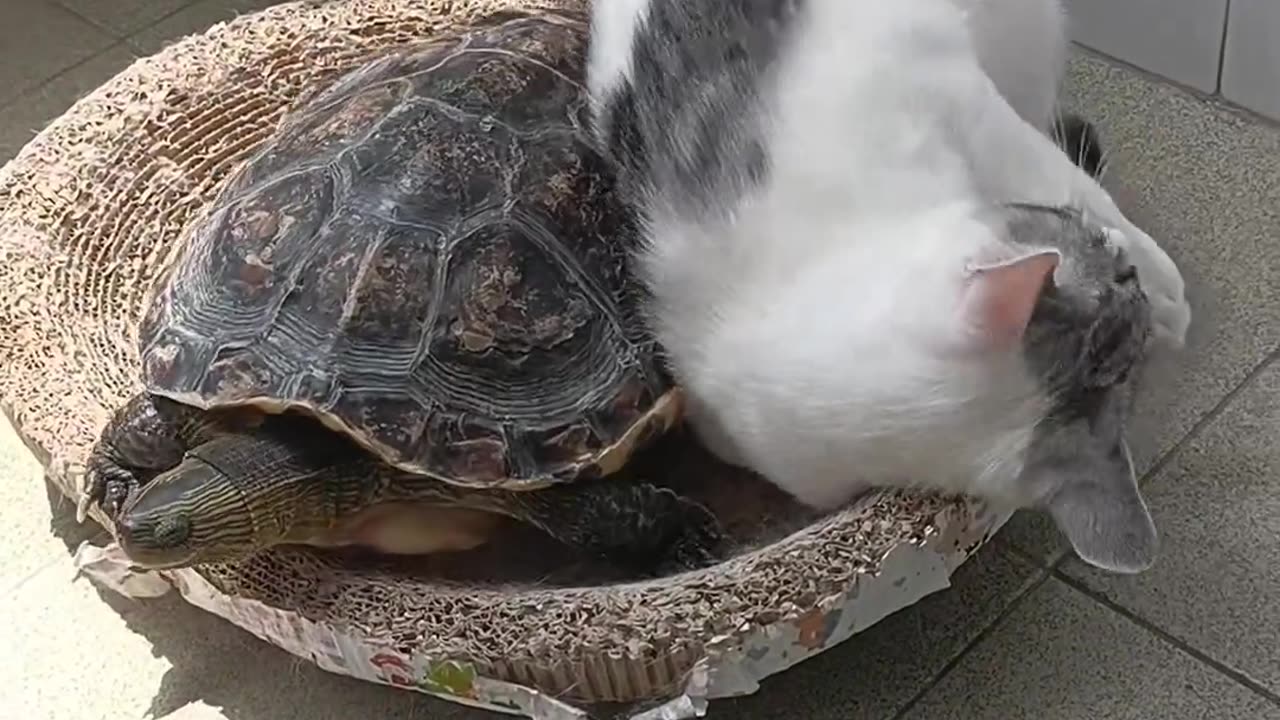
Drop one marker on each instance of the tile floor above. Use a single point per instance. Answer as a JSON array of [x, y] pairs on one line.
[[1026, 631]]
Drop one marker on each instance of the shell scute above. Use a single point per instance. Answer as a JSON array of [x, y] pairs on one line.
[[426, 168], [170, 359], [565, 448], [430, 257], [237, 376], [505, 297], [631, 400], [469, 452], [313, 310], [391, 302], [393, 423], [324, 129], [231, 284]]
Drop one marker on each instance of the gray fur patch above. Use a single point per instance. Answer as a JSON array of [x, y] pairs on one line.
[[686, 125], [1087, 343]]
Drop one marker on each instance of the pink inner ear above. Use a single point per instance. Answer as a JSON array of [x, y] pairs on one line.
[[1001, 297]]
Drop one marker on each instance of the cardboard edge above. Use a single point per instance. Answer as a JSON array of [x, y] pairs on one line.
[[734, 664]]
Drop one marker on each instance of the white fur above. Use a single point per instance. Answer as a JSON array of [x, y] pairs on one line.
[[820, 329], [1005, 34], [613, 25]]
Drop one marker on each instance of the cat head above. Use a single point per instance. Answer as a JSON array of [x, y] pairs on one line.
[[1075, 304]]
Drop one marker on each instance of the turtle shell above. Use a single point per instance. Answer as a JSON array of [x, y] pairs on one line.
[[430, 257]]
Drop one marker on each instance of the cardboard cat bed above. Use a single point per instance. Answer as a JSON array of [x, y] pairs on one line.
[[90, 212]]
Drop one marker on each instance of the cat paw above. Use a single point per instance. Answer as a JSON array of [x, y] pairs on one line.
[[1162, 282]]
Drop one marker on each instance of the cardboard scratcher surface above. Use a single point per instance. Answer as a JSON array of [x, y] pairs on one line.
[[93, 209]]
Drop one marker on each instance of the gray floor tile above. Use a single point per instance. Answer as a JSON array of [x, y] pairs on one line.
[[1179, 39], [39, 40], [1061, 656], [1251, 59], [124, 16], [193, 19], [1204, 182], [1035, 536], [22, 118], [156, 658], [1218, 507], [876, 672]]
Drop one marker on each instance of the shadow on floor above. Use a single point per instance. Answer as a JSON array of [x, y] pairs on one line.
[[223, 666], [878, 670]]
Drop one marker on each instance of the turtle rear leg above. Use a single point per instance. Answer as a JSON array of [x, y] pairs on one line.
[[147, 435], [641, 527]]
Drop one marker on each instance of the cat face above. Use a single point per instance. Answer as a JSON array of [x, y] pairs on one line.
[[1085, 342]]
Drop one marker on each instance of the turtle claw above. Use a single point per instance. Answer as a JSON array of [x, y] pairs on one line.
[[82, 506], [109, 485], [685, 560], [119, 491], [683, 535], [698, 540], [641, 529]]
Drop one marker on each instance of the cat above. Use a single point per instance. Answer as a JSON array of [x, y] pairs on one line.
[[868, 263]]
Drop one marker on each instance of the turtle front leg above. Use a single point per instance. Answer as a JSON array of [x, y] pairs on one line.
[[146, 436], [640, 527]]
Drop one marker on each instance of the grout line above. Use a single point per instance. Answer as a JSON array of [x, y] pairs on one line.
[[110, 31], [1210, 416], [1168, 638], [13, 589], [117, 33], [991, 627], [1065, 553], [1025, 555], [1222, 47], [1145, 73], [1054, 565], [1213, 100], [96, 537], [24, 90], [1055, 560], [35, 88]]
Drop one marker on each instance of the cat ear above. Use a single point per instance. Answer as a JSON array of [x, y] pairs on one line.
[[1000, 297], [1101, 512]]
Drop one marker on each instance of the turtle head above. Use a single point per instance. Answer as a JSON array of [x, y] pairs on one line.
[[191, 514]]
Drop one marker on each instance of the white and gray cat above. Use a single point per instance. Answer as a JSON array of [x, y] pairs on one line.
[[870, 265]]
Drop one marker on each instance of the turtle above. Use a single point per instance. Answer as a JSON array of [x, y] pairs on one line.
[[411, 308]]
